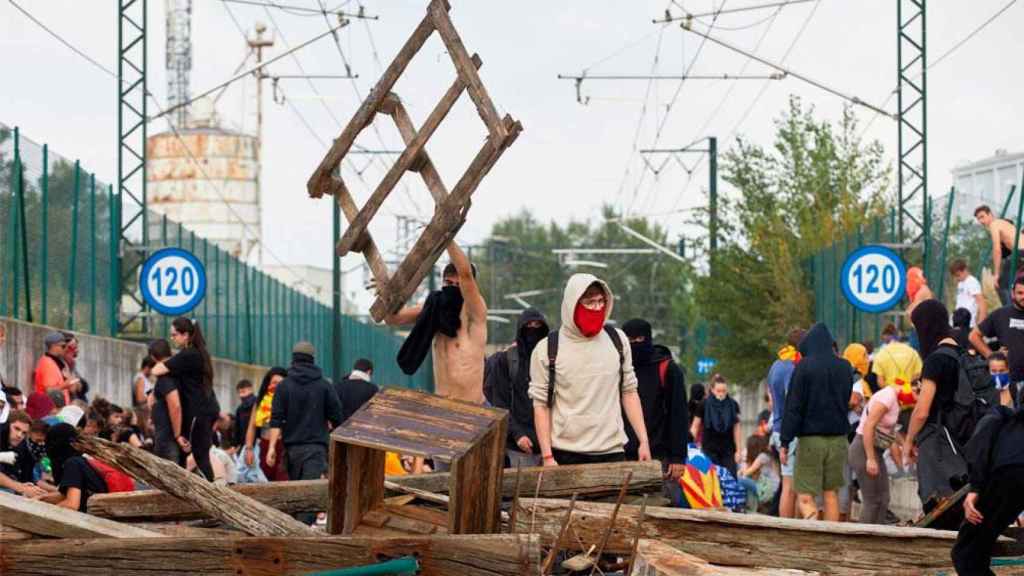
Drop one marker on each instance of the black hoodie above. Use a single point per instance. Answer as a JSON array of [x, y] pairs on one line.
[[666, 414], [303, 403], [507, 376], [819, 392], [997, 445]]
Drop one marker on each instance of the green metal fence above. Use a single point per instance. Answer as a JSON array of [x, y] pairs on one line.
[[60, 261], [949, 233]]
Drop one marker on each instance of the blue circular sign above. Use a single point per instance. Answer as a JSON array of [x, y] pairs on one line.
[[173, 281], [873, 278]]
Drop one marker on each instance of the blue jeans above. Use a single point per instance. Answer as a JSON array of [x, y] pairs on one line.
[[751, 487]]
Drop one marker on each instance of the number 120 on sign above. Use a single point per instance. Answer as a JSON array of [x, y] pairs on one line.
[[873, 278], [173, 281]]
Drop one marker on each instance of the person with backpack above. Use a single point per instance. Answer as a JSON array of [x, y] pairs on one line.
[[507, 383], [662, 388], [945, 414], [995, 462], [582, 380], [1007, 325]]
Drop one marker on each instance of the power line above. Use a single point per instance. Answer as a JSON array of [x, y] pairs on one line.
[[60, 39], [687, 15], [797, 75], [303, 11]]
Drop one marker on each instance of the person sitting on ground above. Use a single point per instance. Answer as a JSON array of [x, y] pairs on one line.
[[761, 475], [816, 413], [357, 388], [582, 380], [718, 425], [17, 464]]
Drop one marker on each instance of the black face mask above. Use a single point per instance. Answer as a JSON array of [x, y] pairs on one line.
[[531, 336], [642, 352]]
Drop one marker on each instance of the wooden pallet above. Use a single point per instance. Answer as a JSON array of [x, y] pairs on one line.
[[451, 208]]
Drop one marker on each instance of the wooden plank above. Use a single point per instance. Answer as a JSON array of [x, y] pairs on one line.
[[321, 182], [220, 502], [12, 534], [471, 487], [466, 69], [477, 555], [655, 558], [357, 226], [44, 519], [448, 218], [370, 251], [748, 540], [363, 488], [944, 505], [289, 497], [589, 480]]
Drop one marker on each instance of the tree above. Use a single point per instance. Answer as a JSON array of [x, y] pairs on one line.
[[816, 183], [517, 257]]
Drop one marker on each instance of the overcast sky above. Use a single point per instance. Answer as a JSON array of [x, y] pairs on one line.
[[570, 158]]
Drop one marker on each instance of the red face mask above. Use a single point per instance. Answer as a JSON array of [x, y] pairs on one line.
[[588, 321]]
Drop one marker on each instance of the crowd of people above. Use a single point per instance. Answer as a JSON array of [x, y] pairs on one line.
[[837, 427]]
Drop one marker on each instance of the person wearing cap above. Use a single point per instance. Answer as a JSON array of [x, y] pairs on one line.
[[662, 388], [303, 404], [51, 371]]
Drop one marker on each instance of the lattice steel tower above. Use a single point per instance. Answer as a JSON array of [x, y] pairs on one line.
[[179, 58], [912, 115]]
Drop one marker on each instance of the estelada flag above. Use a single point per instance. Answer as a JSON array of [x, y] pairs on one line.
[[700, 483]]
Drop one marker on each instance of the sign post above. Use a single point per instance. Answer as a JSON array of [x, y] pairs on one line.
[[874, 278], [173, 281]]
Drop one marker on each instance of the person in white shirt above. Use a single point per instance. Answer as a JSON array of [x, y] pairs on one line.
[[968, 292]]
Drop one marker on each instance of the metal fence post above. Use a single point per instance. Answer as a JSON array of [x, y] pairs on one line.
[[114, 289], [45, 240], [73, 269], [1016, 240], [92, 254], [209, 285], [945, 245], [23, 223], [163, 244]]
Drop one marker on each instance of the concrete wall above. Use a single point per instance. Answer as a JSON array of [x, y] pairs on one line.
[[107, 364]]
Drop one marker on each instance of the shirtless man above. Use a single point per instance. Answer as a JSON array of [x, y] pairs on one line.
[[1002, 232], [458, 361]]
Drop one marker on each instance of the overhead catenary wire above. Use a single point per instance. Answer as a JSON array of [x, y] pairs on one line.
[[686, 15], [149, 94], [820, 85], [304, 11]]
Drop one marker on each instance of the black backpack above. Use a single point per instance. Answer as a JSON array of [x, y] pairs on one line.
[[973, 398], [553, 356]]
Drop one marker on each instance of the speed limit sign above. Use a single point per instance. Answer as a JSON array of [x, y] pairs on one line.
[[173, 281], [873, 278]]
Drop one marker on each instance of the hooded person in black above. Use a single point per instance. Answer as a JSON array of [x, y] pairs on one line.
[[507, 382], [941, 469], [995, 458], [662, 387], [816, 413], [303, 404]]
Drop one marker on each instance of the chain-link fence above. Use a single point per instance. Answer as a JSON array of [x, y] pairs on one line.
[[947, 232], [60, 261]]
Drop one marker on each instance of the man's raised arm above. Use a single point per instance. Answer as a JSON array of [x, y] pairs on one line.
[[471, 296]]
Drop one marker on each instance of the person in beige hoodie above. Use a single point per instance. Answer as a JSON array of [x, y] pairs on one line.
[[581, 421]]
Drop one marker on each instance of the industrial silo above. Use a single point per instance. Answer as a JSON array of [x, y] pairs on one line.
[[207, 178]]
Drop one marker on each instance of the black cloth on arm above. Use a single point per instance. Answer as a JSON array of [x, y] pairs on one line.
[[1007, 324], [440, 314], [944, 370], [79, 474]]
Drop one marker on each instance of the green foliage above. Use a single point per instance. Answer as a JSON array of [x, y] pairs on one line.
[[816, 183], [517, 257]]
